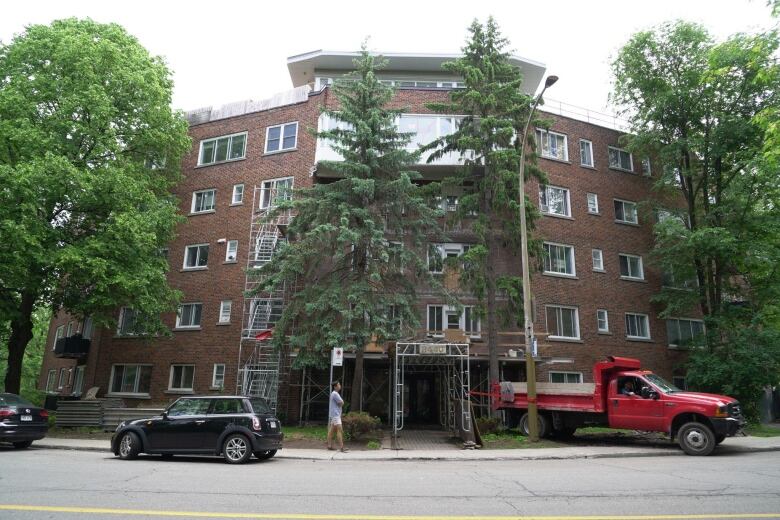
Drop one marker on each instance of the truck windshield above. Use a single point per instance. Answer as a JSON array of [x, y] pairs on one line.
[[662, 385]]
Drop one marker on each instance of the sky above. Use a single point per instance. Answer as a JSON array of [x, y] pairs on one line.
[[220, 53]]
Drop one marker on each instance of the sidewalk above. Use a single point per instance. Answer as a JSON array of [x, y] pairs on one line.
[[731, 445]]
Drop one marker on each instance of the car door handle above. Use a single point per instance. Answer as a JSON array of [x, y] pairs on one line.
[[200, 422], [670, 404]]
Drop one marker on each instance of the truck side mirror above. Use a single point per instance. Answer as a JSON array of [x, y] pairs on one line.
[[645, 392]]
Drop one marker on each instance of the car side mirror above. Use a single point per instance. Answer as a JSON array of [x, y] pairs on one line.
[[654, 395], [165, 415], [645, 392]]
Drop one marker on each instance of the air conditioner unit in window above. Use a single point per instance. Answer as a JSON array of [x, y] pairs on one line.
[[231, 258]]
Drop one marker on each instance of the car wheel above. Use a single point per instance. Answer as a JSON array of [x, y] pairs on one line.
[[22, 445], [129, 446], [524, 425], [696, 439], [236, 449], [265, 455]]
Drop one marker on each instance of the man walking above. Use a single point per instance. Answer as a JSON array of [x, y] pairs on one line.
[[334, 417]]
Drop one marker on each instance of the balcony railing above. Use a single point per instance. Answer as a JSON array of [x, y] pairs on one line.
[[72, 347]]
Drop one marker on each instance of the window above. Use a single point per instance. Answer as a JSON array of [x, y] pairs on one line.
[[646, 171], [563, 322], [58, 335], [559, 259], [451, 203], [78, 380], [131, 379], [218, 376], [129, 324], [181, 377], [221, 149], [238, 194], [203, 201], [437, 253], [51, 378], [620, 159], [471, 324], [188, 315], [631, 267], [598, 259], [637, 326], [86, 328], [602, 320], [552, 145], [227, 406], [554, 201], [225, 307], [275, 190], [682, 331], [435, 318], [184, 407], [69, 332], [625, 212], [566, 377], [231, 251], [586, 153], [281, 137], [593, 203], [196, 256]]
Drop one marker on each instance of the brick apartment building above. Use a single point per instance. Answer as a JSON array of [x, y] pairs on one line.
[[592, 292]]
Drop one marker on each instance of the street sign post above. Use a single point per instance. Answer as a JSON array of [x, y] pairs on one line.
[[336, 360]]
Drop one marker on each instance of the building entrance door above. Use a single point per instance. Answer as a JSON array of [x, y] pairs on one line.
[[422, 399]]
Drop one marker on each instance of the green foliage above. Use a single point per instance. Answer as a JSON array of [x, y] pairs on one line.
[[357, 424], [707, 113], [89, 148], [373, 445], [488, 425], [340, 258]]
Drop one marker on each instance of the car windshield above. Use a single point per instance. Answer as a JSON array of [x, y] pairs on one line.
[[13, 400], [260, 406], [662, 384]]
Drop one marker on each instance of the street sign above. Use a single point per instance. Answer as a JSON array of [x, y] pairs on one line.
[[337, 357], [534, 347], [433, 349]]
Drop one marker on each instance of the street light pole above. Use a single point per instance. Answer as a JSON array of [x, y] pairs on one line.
[[530, 365]]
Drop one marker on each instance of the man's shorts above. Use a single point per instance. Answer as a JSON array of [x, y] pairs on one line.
[[335, 421]]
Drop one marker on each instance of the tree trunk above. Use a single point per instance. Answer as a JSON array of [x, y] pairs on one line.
[[21, 334], [356, 402]]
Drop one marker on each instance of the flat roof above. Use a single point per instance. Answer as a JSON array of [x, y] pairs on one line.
[[302, 66]]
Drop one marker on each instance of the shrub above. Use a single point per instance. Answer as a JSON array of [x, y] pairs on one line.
[[488, 425], [356, 424]]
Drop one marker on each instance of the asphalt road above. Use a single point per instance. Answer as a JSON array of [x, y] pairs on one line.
[[76, 484]]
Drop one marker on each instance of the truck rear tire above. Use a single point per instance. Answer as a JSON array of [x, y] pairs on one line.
[[696, 439], [543, 425]]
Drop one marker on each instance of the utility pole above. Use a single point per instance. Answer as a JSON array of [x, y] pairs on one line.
[[528, 323]]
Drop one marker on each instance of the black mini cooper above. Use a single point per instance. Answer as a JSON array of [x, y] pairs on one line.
[[232, 426]]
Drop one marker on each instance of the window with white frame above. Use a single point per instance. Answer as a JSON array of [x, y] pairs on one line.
[[59, 334], [129, 323], [443, 317], [437, 253], [625, 212], [218, 376], [188, 315], [554, 201], [182, 377], [471, 323], [646, 171], [435, 318], [51, 380], [231, 251], [563, 322], [78, 380], [559, 259], [683, 331], [631, 267], [620, 159], [238, 194], [63, 380], [131, 379], [552, 145], [222, 149], [203, 201], [196, 256], [637, 326], [225, 306], [69, 331], [586, 153], [566, 377], [275, 190], [281, 137], [86, 328], [593, 203], [598, 259], [602, 320]]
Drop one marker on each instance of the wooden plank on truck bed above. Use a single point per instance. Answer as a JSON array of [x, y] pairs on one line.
[[556, 388]]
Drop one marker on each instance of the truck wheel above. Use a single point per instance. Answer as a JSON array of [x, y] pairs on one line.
[[696, 439], [543, 426]]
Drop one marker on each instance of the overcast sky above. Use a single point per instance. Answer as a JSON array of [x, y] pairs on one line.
[[222, 52]]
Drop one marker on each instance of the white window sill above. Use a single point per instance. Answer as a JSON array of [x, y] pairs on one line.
[[602, 271], [218, 388], [556, 159], [589, 167], [221, 162], [275, 152], [236, 204], [594, 213], [128, 394], [184, 329], [604, 333], [196, 213], [564, 339], [180, 391], [555, 215], [560, 275], [626, 223], [230, 262], [188, 269], [222, 323], [639, 339], [622, 170], [632, 279]]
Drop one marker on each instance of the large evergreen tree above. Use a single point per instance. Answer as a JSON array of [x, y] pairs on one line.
[[495, 110], [356, 245], [84, 112], [706, 111]]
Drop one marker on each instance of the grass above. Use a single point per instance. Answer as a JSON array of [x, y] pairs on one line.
[[513, 440], [601, 429], [762, 430], [313, 433], [373, 445]]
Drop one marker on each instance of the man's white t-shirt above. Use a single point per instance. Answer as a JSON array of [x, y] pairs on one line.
[[334, 410]]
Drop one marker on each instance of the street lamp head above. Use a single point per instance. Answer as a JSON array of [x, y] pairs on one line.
[[550, 81]]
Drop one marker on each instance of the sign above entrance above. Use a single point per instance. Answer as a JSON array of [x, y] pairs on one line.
[[431, 349], [337, 357]]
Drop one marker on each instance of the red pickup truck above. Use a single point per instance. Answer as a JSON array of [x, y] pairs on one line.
[[624, 396]]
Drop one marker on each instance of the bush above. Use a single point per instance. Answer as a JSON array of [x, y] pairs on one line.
[[356, 424], [487, 425]]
